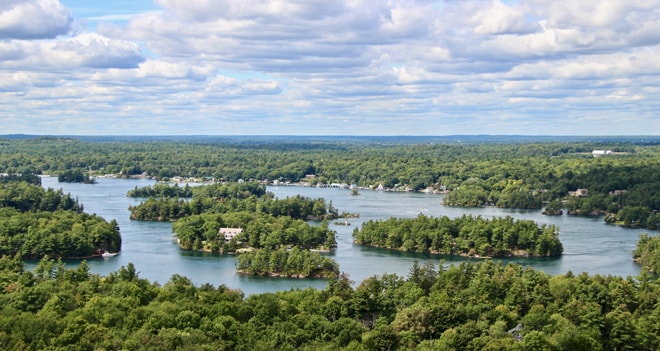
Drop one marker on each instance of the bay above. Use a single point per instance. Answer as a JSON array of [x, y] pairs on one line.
[[590, 245]]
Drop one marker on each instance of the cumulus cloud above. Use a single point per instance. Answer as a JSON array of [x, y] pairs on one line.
[[303, 36], [498, 18], [473, 66], [88, 50], [33, 19]]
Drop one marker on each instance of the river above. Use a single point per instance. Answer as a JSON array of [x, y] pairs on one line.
[[590, 245]]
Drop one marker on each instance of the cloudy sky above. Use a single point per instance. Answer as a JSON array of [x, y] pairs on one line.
[[340, 67]]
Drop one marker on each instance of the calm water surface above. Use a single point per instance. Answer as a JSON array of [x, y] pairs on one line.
[[589, 244]]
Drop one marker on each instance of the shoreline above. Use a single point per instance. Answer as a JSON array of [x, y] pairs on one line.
[[517, 253]]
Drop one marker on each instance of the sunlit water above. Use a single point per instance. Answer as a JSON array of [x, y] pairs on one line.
[[589, 244]]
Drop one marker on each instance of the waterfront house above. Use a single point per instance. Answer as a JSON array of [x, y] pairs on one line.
[[229, 233]]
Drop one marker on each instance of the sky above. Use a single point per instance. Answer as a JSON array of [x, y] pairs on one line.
[[340, 67]]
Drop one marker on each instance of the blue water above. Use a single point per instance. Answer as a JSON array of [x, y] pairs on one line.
[[590, 245]]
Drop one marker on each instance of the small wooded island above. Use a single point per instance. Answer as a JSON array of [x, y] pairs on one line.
[[464, 236]]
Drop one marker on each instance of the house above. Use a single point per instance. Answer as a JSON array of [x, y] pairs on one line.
[[597, 153], [229, 233], [579, 193]]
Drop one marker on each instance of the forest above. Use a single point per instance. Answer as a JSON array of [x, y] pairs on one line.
[[647, 253], [35, 222], [161, 190], [476, 305], [471, 306], [529, 174], [465, 236], [223, 198], [75, 176], [284, 262], [197, 232]]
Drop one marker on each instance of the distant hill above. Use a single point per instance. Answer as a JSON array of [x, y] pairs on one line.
[[398, 139]]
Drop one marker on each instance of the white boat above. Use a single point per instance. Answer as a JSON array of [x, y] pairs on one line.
[[107, 254]]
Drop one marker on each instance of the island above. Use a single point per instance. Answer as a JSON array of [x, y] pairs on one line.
[[285, 262], [467, 236], [37, 222], [223, 198]]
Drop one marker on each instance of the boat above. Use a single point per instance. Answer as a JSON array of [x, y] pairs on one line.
[[107, 254]]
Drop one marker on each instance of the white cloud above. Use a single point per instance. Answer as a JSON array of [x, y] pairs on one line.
[[468, 66], [32, 19], [87, 50], [499, 18]]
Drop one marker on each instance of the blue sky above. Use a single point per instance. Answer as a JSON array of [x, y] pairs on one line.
[[317, 67]]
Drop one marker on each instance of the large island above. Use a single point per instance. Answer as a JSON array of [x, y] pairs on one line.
[[464, 236]]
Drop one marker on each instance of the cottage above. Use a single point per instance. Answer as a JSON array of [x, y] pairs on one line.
[[229, 233], [579, 193]]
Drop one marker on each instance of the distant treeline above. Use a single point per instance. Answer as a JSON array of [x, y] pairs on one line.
[[623, 184]]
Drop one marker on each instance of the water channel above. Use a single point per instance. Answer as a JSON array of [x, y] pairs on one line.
[[590, 245]]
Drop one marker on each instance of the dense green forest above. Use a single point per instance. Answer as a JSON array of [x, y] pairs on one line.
[[284, 262], [30, 178], [164, 201], [223, 198], [471, 306], [464, 236], [74, 176], [647, 253], [161, 190], [259, 230], [513, 175], [35, 222], [27, 197]]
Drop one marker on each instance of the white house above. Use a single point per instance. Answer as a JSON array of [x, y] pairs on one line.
[[229, 233], [597, 153]]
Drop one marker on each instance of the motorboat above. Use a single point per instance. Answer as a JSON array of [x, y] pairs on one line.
[[107, 254]]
